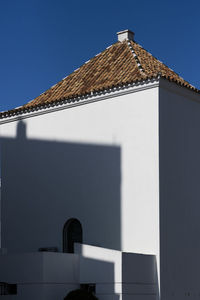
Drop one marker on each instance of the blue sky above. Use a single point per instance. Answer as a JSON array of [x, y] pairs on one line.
[[42, 41]]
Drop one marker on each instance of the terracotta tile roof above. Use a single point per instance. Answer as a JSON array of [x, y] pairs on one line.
[[122, 63]]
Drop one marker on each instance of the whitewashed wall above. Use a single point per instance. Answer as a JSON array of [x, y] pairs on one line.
[[118, 275], [96, 162], [42, 276], [51, 276], [179, 192]]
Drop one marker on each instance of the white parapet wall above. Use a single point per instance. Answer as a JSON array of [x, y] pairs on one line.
[[40, 275], [118, 275], [102, 267]]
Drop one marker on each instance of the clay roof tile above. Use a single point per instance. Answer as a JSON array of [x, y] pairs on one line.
[[123, 62]]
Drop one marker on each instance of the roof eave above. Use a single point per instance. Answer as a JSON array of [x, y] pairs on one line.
[[98, 95], [175, 87]]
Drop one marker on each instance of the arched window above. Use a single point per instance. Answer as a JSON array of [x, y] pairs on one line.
[[72, 233]]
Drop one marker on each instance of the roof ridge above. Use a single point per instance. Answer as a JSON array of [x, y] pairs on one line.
[[141, 69], [121, 63], [93, 57], [164, 65], [74, 71]]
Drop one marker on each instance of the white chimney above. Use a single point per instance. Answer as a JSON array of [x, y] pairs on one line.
[[125, 35]]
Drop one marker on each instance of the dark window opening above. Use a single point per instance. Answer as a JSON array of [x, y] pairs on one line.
[[48, 249], [8, 289], [89, 287], [72, 233]]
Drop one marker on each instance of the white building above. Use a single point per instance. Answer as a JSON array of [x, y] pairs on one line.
[[109, 158]]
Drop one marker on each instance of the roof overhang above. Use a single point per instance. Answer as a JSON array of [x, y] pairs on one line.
[[176, 88], [19, 114]]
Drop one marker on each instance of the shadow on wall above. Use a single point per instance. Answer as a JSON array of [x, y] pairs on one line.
[[101, 274], [179, 197], [140, 276], [44, 183], [51, 276]]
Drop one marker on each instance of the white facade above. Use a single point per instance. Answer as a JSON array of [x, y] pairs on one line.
[[179, 143], [40, 275], [125, 164], [100, 158], [117, 275]]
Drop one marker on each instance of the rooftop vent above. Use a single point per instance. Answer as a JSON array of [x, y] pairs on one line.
[[125, 35]]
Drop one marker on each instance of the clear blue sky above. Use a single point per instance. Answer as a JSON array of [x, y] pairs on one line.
[[42, 41]]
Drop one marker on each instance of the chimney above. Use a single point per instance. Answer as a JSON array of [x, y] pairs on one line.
[[125, 35]]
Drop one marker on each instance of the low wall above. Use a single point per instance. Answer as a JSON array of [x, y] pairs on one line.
[[40, 275], [118, 275]]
